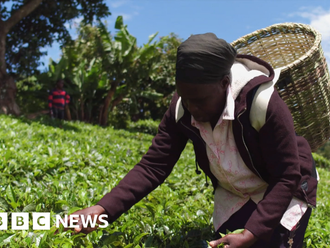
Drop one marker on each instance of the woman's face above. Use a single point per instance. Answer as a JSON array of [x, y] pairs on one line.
[[205, 102]]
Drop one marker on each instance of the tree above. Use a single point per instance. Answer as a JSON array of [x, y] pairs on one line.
[[135, 70], [28, 25], [87, 79], [163, 78], [109, 76]]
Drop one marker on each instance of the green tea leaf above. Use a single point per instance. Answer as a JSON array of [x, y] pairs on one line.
[[29, 208], [11, 194], [3, 204]]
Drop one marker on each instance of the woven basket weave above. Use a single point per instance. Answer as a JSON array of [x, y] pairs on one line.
[[304, 80]]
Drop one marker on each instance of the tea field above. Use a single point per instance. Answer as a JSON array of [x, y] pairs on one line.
[[44, 168]]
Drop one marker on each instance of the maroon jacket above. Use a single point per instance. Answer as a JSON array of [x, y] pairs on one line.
[[275, 153]]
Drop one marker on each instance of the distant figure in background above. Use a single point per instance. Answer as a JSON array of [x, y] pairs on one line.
[[57, 100]]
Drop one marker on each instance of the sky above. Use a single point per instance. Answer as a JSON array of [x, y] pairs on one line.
[[228, 19]]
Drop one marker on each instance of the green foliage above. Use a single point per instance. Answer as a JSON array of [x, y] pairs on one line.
[[224, 234], [321, 161], [144, 126], [31, 95], [55, 170], [317, 234], [32, 92], [44, 168], [46, 24], [139, 73], [119, 118], [324, 150], [110, 76]]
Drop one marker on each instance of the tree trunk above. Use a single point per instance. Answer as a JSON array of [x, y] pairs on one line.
[[105, 110], [8, 88], [89, 111], [3, 35], [82, 110], [8, 91], [100, 113], [19, 14], [67, 112], [116, 101]]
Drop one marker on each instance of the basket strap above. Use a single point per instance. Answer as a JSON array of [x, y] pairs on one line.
[[260, 102]]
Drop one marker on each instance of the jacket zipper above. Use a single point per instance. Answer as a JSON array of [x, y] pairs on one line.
[[305, 195], [206, 184], [246, 145]]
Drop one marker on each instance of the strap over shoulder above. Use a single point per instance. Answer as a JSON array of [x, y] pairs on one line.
[[260, 102]]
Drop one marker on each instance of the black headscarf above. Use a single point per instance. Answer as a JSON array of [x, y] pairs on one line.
[[204, 58]]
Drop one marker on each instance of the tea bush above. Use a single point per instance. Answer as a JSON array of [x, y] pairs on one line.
[[44, 168]]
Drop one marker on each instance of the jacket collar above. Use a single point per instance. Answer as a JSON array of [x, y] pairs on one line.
[[258, 64]]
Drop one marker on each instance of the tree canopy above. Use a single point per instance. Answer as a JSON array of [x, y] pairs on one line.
[[28, 25], [46, 23], [105, 73]]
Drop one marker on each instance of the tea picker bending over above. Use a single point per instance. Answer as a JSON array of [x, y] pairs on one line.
[[244, 140]]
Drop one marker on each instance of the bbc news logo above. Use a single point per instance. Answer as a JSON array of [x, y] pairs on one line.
[[41, 221]]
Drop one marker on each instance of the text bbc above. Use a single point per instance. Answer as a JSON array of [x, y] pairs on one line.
[[41, 221]]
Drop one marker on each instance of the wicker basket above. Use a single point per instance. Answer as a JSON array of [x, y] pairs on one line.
[[304, 80]]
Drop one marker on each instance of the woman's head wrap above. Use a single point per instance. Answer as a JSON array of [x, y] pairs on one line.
[[204, 58]]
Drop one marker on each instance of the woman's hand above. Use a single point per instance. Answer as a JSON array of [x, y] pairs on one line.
[[238, 240], [90, 211]]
